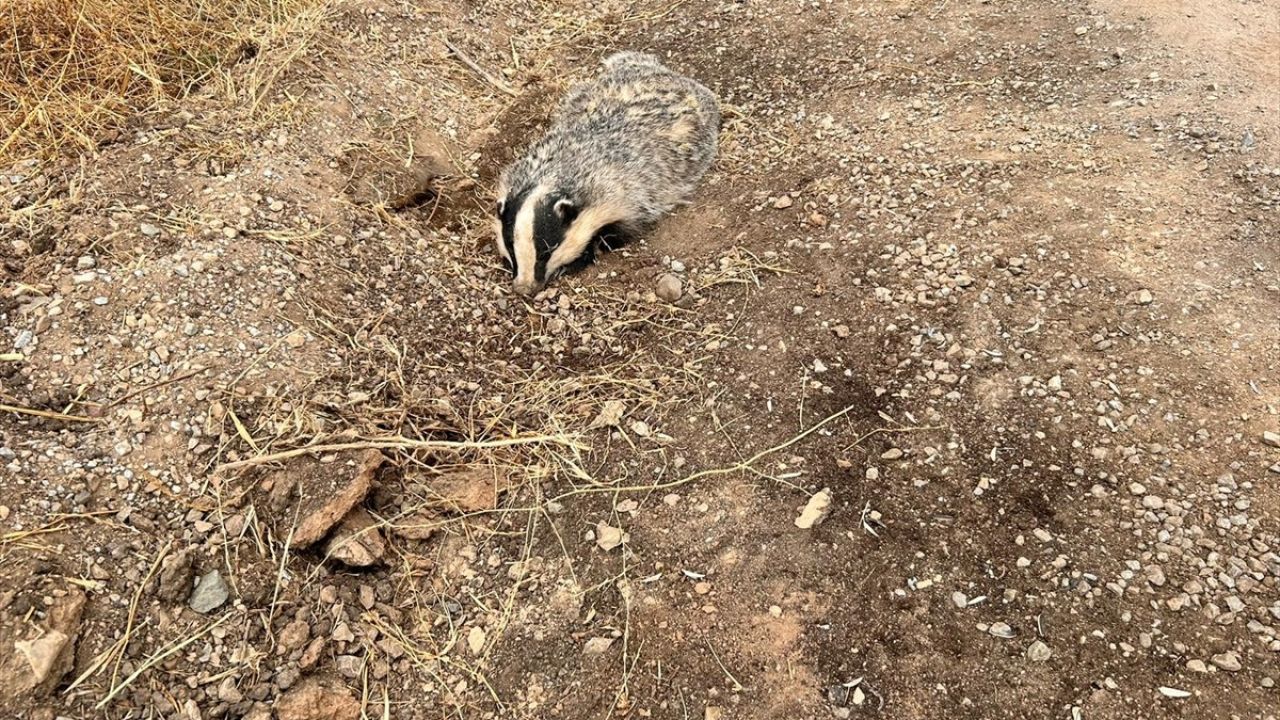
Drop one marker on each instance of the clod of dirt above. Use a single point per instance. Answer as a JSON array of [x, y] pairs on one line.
[[210, 593], [670, 288], [318, 698], [610, 414], [327, 492], [293, 637], [608, 537], [176, 574], [357, 542], [469, 490], [815, 511], [33, 666]]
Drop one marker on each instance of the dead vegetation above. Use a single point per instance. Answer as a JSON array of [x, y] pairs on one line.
[[76, 72]]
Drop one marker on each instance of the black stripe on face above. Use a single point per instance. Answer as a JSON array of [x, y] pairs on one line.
[[548, 234], [510, 209]]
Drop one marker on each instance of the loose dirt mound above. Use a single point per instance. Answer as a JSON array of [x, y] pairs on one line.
[[999, 278]]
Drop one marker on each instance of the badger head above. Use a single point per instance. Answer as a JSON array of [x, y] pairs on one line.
[[544, 232]]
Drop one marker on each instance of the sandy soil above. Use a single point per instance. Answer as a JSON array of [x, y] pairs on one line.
[[1002, 278]]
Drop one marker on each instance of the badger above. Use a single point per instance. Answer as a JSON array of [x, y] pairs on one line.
[[622, 150]]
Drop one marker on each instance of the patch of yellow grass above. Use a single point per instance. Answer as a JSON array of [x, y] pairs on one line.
[[73, 72]]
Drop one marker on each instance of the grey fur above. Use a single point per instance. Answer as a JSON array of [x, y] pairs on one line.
[[637, 136]]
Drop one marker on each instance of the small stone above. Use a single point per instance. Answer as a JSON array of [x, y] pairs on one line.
[[1174, 693], [475, 640], [841, 331], [670, 288], [1083, 29], [86, 262], [815, 511], [1271, 438], [1000, 630], [1153, 502], [702, 588], [782, 203], [1197, 666], [597, 646], [149, 230], [959, 599], [608, 537], [1038, 652], [210, 594], [1145, 297], [891, 454], [713, 712], [1228, 661]]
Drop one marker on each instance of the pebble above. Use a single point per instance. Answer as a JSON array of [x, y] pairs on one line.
[[891, 454], [1197, 666], [815, 510], [1228, 661], [597, 646], [1271, 438], [1000, 630], [783, 202], [959, 599], [210, 594], [1038, 652], [149, 230], [1174, 693], [608, 537], [670, 288], [475, 640]]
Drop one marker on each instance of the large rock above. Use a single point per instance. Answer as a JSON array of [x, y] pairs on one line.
[[210, 593], [321, 494], [357, 542], [33, 661], [318, 698]]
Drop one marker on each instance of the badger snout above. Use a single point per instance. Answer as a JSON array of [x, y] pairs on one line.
[[527, 288]]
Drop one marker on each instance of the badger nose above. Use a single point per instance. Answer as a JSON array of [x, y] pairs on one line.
[[527, 289]]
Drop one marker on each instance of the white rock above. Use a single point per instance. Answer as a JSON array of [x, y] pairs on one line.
[[815, 511], [608, 537]]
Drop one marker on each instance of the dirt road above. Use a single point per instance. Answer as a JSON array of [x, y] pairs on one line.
[[1003, 278]]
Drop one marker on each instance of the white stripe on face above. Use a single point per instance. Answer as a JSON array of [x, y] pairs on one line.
[[526, 249]]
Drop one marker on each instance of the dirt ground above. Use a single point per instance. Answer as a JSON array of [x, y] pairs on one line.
[[1002, 278]]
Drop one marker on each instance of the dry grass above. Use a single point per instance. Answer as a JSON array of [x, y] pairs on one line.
[[73, 72]]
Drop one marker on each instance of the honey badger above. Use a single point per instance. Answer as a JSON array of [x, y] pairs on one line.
[[622, 150]]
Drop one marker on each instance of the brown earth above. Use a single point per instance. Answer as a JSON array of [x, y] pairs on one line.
[[1019, 313]]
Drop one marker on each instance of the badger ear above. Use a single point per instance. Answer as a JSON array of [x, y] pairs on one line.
[[567, 210], [502, 206]]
